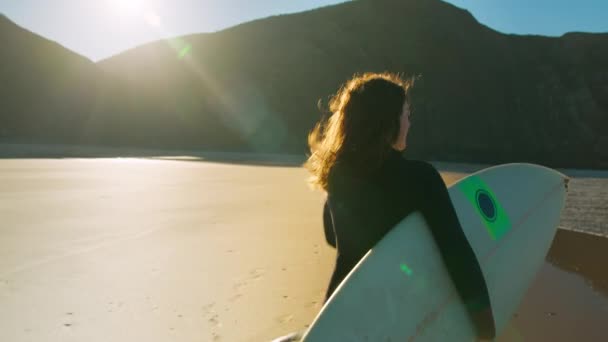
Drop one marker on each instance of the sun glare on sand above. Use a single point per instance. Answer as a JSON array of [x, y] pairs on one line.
[[134, 9]]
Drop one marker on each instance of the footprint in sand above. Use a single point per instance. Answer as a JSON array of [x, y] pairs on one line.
[[312, 304], [253, 275], [215, 321], [213, 318], [69, 320], [239, 285], [285, 318], [237, 289], [5, 288], [257, 273], [211, 315], [235, 297]]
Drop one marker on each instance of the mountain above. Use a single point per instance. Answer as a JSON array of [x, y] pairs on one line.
[[46, 90], [480, 95]]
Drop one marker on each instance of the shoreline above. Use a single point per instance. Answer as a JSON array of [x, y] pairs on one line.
[[63, 151]]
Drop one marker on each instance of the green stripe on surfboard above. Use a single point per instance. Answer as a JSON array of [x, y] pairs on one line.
[[487, 205]]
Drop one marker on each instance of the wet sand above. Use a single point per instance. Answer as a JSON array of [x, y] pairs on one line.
[[569, 299], [164, 250]]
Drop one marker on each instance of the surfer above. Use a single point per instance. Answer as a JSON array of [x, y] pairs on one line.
[[356, 160]]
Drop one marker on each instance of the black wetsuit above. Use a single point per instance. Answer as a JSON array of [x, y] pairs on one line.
[[360, 210]]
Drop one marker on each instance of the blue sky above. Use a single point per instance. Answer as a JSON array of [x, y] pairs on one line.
[[100, 28]]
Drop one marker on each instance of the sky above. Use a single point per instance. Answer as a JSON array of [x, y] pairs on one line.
[[99, 29]]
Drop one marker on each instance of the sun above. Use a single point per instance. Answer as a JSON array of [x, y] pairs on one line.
[[135, 9], [127, 8]]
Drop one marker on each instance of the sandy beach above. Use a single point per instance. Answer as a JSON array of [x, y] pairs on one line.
[[128, 249]]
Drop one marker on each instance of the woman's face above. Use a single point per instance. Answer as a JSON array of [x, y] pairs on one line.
[[404, 128]]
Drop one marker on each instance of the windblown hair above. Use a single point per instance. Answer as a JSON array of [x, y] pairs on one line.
[[364, 123]]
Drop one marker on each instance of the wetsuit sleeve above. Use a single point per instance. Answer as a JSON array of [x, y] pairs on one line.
[[457, 254], [330, 235]]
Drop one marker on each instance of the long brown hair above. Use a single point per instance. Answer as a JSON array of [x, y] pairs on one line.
[[364, 123]]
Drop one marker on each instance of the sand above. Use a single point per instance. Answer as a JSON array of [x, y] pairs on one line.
[[175, 250]]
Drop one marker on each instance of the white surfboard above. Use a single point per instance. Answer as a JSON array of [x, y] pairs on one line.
[[401, 291]]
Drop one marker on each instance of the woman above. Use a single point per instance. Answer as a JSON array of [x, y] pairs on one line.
[[356, 159]]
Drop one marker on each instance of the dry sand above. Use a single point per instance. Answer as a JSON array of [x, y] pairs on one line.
[[161, 250]]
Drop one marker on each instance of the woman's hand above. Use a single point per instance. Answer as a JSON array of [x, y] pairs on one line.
[[484, 322]]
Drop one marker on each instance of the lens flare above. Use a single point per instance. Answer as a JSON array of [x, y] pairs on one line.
[[406, 269], [184, 51]]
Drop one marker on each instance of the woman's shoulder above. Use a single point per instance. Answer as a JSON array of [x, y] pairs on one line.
[[419, 176], [419, 172], [417, 166]]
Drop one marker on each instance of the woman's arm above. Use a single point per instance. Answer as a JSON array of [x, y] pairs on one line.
[[457, 254], [330, 235]]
